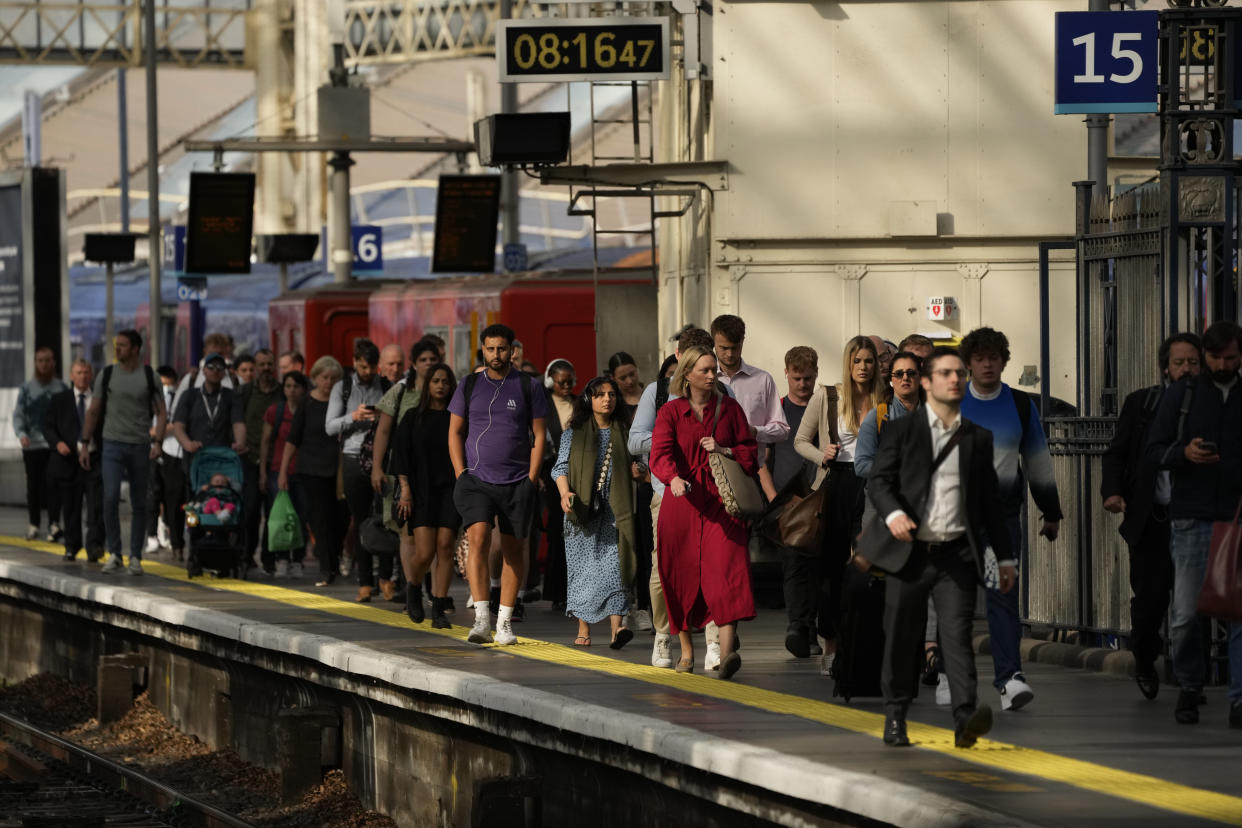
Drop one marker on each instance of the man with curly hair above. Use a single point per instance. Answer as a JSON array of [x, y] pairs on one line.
[[1021, 459]]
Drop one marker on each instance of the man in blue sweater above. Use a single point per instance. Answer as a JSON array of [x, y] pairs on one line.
[[1020, 454], [1197, 434]]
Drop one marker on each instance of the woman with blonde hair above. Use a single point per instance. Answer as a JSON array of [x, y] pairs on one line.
[[703, 562], [827, 437]]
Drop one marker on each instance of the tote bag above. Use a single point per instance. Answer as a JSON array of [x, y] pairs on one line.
[[1221, 595]]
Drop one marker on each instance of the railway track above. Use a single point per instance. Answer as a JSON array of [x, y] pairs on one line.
[[47, 782]]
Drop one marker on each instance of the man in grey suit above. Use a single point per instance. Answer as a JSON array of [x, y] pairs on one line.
[[934, 493]]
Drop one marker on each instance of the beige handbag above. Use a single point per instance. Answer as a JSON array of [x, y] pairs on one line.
[[739, 492]]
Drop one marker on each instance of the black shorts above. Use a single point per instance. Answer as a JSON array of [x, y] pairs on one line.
[[435, 509], [512, 505]]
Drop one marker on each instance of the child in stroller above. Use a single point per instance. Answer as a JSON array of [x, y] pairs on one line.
[[213, 514]]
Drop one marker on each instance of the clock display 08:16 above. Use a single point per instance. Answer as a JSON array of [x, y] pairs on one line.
[[585, 51]]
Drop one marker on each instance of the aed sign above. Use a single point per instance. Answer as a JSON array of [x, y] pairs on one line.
[[941, 308], [583, 49], [1107, 61]]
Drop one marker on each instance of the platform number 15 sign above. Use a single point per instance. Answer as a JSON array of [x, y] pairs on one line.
[[1106, 61]]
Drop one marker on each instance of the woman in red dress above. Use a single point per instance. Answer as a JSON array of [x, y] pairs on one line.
[[705, 570]]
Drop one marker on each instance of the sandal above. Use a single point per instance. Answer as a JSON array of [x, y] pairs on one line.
[[623, 637], [686, 665], [582, 641]]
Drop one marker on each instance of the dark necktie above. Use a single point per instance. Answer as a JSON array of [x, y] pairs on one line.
[[81, 414]]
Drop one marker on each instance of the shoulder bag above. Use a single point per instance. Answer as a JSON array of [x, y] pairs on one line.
[[795, 518], [1221, 596], [739, 492]]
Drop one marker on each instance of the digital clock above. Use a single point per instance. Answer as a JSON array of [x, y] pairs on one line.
[[601, 48]]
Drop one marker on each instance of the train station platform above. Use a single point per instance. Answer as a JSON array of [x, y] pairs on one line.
[[770, 746]]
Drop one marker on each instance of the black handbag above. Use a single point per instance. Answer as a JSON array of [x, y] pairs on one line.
[[375, 536]]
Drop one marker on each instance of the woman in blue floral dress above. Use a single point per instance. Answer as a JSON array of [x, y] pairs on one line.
[[592, 474]]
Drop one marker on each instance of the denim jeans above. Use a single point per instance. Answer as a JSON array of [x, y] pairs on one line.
[[1004, 621], [121, 460], [1191, 540]]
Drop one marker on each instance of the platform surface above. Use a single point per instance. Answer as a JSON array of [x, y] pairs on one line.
[[1088, 751]]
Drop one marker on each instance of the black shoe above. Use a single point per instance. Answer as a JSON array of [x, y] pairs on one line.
[[1148, 681], [493, 601], [1235, 715], [797, 642], [816, 650], [414, 603], [449, 606], [969, 730], [519, 611], [94, 555], [1187, 710], [895, 732], [71, 556], [438, 621]]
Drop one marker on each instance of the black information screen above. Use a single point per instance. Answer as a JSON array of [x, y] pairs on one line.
[[217, 237], [12, 323], [467, 210]]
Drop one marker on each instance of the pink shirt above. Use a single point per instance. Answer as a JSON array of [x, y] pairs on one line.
[[756, 392]]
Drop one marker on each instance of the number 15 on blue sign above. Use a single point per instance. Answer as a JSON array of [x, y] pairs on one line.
[[1107, 61]]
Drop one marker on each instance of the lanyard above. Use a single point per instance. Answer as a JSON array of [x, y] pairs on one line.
[[211, 412]]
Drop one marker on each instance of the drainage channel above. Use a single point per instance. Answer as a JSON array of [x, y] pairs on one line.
[[47, 782]]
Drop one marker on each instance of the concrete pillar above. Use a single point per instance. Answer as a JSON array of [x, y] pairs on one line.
[[299, 747], [117, 678], [276, 208]]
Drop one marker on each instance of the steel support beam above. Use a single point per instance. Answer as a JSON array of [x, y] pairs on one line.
[[434, 145], [711, 174]]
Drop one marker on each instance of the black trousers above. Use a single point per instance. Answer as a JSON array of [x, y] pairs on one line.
[[555, 573], [85, 485], [843, 508], [175, 493], [39, 495], [319, 495], [644, 541], [155, 495], [950, 577], [361, 499], [800, 570], [1151, 580], [254, 504]]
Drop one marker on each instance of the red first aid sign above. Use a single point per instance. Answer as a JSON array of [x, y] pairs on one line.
[[941, 308]]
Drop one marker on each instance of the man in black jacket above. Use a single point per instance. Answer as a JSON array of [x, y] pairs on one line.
[[1135, 486], [62, 428], [936, 500], [1198, 435]]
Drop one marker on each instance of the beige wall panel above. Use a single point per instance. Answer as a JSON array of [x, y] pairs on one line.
[[829, 112], [788, 307]]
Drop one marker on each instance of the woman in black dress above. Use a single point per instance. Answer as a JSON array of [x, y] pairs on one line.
[[421, 463]]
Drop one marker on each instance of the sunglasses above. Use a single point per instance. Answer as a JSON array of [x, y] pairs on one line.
[[908, 374]]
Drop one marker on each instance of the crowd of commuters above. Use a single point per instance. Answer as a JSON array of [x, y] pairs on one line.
[[921, 460]]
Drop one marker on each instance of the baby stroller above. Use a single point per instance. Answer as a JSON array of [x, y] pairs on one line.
[[213, 516]]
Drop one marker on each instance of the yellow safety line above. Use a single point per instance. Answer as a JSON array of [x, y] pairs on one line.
[[1136, 787]]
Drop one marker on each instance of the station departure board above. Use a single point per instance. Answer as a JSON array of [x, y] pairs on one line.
[[220, 223], [467, 210]]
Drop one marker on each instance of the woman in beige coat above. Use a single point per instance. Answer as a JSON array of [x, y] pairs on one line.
[[826, 437]]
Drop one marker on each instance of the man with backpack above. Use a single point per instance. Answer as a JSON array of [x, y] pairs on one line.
[[1135, 487], [351, 417], [126, 395], [255, 398], [496, 437], [1022, 459], [1197, 435]]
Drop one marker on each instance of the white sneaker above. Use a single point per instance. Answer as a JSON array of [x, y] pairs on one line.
[[942, 691], [642, 621], [153, 546], [711, 661], [32, 532], [161, 534], [295, 570], [504, 633], [825, 663], [481, 632], [53, 533], [113, 565], [135, 566], [282, 569], [1016, 693], [660, 655]]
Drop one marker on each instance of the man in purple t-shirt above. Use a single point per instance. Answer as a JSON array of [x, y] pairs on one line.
[[493, 415]]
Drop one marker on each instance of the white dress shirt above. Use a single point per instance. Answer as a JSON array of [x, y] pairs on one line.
[[945, 512]]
